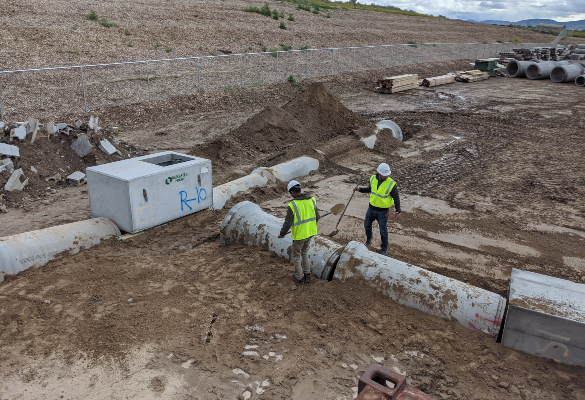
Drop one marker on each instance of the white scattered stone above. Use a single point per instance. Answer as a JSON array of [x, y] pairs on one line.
[[266, 383], [246, 395], [250, 346], [266, 357], [47, 301], [354, 366], [17, 181], [19, 132], [251, 353], [107, 147], [33, 169], [239, 371], [9, 150], [77, 178], [279, 336], [259, 390], [271, 354], [254, 328], [378, 359], [187, 363]]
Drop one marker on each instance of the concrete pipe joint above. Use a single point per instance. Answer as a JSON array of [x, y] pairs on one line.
[[580, 80], [541, 70], [566, 72], [517, 69], [36, 248], [246, 223], [414, 287]]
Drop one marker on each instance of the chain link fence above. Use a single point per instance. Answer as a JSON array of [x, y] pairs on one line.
[[54, 91]]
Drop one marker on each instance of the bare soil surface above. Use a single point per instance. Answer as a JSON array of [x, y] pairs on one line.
[[490, 179]]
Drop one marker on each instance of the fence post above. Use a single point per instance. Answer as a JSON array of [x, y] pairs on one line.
[[148, 80], [198, 77], [390, 57], [83, 85], [373, 55], [353, 64], [1, 113], [307, 63], [277, 67], [241, 70], [332, 61]]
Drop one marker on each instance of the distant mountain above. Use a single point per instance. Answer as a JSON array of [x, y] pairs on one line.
[[578, 25]]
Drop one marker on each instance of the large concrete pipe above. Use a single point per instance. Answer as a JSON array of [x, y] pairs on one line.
[[301, 166], [36, 248], [541, 70], [424, 290], [579, 51], [580, 80], [581, 46], [566, 72], [246, 223], [517, 69]]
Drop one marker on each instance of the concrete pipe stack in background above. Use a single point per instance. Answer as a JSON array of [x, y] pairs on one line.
[[567, 72]]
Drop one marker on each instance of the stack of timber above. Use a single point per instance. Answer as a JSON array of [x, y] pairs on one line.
[[439, 80], [398, 83], [472, 76], [486, 65]]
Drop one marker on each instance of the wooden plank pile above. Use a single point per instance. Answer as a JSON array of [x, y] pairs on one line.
[[439, 80], [472, 76], [398, 83]]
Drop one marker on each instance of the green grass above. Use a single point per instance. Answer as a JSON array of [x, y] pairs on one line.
[[274, 14], [290, 17], [168, 49], [285, 47], [580, 34], [282, 25], [308, 5], [92, 16], [126, 32], [304, 7], [265, 10], [304, 48], [292, 80], [412, 44]]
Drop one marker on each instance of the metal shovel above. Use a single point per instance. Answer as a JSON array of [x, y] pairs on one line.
[[336, 231]]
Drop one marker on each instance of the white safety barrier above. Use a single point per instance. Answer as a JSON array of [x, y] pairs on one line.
[[284, 172], [36, 248]]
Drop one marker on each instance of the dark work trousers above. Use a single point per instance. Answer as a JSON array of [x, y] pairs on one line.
[[371, 216]]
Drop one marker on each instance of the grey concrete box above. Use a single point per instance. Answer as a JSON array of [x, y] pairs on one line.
[[546, 317], [146, 191]]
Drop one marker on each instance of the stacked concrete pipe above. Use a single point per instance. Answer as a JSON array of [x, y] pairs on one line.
[[580, 80], [406, 284], [542, 70], [517, 69], [36, 248], [284, 172], [566, 72]]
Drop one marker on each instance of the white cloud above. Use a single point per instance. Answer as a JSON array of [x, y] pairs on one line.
[[513, 10]]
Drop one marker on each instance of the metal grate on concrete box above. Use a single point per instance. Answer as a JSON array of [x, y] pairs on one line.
[[146, 191], [546, 317]]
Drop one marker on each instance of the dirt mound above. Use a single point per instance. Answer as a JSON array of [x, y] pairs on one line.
[[386, 142], [322, 114]]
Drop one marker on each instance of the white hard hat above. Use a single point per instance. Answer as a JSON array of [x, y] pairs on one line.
[[384, 169], [291, 184]]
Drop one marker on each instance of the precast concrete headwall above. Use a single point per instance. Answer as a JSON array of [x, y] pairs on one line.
[[36, 248], [284, 172], [406, 284]]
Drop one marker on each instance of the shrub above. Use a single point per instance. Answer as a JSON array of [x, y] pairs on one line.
[[92, 16], [103, 22], [274, 14], [292, 80], [304, 48], [282, 25], [411, 43], [328, 15], [290, 17], [252, 9], [168, 49], [126, 32], [316, 10], [265, 10], [281, 14], [285, 47], [264, 49]]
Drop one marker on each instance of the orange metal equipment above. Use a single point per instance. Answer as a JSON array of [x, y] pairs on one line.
[[373, 385]]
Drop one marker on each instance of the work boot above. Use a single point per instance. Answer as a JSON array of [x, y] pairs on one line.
[[298, 281], [368, 242], [383, 252], [307, 278]]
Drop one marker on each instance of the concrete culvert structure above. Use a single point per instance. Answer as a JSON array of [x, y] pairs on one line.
[[580, 80], [517, 69], [566, 72]]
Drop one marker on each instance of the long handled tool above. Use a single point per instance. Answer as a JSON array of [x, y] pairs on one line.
[[336, 231]]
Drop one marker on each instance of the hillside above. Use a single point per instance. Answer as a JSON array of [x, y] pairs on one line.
[[45, 33], [577, 25]]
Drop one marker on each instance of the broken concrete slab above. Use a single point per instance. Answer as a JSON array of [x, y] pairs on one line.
[[77, 178], [9, 150], [77, 124], [17, 181], [93, 123], [107, 147], [6, 165], [1, 125], [61, 126], [33, 169], [31, 125], [51, 128], [19, 132], [82, 146]]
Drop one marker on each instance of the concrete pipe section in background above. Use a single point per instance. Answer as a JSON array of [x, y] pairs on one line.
[[541, 70], [580, 80], [424, 290], [36, 248], [246, 223], [370, 141], [284, 172], [566, 72], [517, 69]]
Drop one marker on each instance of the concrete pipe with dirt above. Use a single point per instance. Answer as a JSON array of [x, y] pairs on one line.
[[414, 287], [580, 80], [517, 69], [36, 248], [246, 223], [541, 70], [566, 72]]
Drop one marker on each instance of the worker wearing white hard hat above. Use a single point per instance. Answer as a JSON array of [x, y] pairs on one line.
[[383, 195], [301, 218]]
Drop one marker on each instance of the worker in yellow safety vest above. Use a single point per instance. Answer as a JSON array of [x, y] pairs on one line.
[[301, 217], [383, 195]]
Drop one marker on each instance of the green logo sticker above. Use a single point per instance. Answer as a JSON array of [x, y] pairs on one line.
[[176, 178]]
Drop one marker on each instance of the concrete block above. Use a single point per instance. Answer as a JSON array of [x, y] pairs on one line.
[[51, 128], [93, 123], [7, 163], [17, 181], [546, 317], [9, 150], [107, 147], [77, 178], [19, 132], [82, 146]]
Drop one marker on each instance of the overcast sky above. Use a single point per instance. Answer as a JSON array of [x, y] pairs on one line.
[[511, 10]]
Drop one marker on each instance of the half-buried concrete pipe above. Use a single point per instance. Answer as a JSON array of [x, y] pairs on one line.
[[301, 166], [406, 284], [580, 80], [246, 223], [541, 70], [414, 287], [566, 72], [36, 248], [517, 69]]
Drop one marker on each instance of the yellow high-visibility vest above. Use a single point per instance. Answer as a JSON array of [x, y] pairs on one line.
[[305, 219], [380, 195]]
